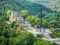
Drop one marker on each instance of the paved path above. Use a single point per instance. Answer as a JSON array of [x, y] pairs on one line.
[[45, 32]]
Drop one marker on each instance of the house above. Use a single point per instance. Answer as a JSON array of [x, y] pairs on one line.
[[15, 17]]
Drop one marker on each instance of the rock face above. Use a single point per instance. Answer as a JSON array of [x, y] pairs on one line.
[[15, 17]]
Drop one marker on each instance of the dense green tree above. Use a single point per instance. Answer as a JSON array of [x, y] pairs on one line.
[[24, 13], [53, 19], [33, 20], [27, 39], [55, 33], [8, 13], [43, 42], [45, 23]]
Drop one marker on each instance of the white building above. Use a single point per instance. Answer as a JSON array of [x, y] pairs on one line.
[[15, 17]]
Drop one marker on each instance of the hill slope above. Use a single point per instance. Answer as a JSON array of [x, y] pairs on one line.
[[21, 5], [52, 4]]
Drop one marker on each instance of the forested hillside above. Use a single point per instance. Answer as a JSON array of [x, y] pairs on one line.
[[29, 22], [48, 3], [21, 5], [54, 5], [34, 9]]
